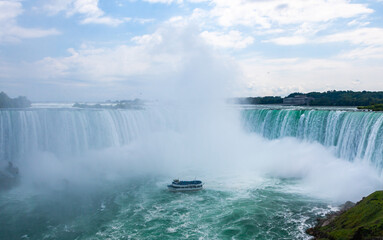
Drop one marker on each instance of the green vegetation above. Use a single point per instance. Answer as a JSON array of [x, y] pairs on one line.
[[374, 107], [343, 98], [329, 98], [7, 102], [260, 100], [363, 221]]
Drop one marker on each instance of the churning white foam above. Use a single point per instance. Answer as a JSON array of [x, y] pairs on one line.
[[211, 145]]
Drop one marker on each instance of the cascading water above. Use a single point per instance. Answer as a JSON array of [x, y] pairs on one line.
[[67, 132], [352, 134]]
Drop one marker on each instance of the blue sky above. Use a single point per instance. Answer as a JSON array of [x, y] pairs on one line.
[[62, 50]]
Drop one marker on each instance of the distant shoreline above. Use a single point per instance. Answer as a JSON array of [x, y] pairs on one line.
[[362, 100]]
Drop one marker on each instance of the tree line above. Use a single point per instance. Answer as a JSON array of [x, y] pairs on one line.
[[329, 98], [343, 98]]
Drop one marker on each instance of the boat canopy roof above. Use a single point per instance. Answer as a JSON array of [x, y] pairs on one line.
[[187, 182]]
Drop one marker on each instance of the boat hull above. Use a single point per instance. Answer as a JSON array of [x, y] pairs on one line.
[[184, 189]]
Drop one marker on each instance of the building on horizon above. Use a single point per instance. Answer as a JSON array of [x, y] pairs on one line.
[[298, 100]]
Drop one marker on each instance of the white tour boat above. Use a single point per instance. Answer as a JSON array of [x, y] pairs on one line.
[[183, 186]]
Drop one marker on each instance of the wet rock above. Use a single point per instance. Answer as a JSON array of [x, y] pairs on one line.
[[9, 177]]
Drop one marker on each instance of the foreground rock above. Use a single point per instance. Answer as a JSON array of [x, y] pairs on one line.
[[363, 220], [9, 177]]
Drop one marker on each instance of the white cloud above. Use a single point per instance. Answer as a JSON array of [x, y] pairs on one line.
[[358, 37], [118, 63], [148, 39], [88, 8], [10, 31], [94, 65], [143, 20], [174, 1], [368, 43], [149, 55], [139, 20], [358, 23], [163, 1], [102, 20], [173, 61], [10, 10], [294, 40], [365, 53], [264, 76], [281, 12], [291, 22], [275, 13], [233, 39], [363, 36]]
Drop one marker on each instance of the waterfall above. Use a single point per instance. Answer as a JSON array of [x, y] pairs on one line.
[[351, 134], [66, 132]]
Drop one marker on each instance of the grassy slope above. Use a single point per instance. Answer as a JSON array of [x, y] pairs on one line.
[[364, 221]]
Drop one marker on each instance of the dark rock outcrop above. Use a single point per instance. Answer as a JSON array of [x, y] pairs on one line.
[[19, 102], [9, 177]]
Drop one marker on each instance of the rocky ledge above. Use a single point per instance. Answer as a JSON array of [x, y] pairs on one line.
[[9, 177], [363, 220]]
